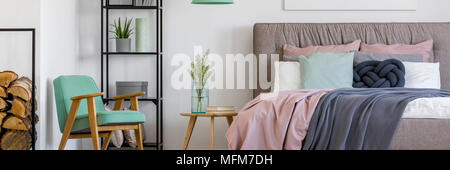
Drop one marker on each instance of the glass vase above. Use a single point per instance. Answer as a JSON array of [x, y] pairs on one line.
[[199, 98]]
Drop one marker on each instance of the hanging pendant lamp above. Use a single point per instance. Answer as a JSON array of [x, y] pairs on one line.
[[212, 1]]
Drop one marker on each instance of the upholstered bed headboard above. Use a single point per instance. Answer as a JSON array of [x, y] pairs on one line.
[[269, 38]]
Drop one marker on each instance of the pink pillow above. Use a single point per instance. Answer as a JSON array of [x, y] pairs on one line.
[[425, 48], [292, 51]]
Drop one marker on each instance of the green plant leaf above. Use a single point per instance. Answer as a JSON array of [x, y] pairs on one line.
[[122, 32]]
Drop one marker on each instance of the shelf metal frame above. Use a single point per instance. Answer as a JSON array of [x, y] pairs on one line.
[[105, 60]]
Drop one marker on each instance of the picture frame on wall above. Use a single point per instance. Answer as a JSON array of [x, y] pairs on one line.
[[350, 5]]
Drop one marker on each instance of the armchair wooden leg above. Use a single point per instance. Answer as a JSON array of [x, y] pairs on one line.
[[93, 123], [95, 139], [106, 141], [69, 123], [138, 134], [63, 142]]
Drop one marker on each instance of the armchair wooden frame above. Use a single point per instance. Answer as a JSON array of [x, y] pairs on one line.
[[101, 131]]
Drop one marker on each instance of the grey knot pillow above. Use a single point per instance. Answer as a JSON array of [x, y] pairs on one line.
[[379, 74]]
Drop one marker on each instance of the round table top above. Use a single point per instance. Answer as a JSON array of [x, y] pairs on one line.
[[210, 114]]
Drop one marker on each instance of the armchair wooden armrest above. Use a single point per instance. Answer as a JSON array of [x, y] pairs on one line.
[[133, 100], [126, 96], [86, 96]]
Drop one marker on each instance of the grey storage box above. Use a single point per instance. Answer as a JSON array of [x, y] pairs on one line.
[[128, 87]]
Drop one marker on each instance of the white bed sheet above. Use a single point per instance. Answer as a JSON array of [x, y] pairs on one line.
[[428, 108]]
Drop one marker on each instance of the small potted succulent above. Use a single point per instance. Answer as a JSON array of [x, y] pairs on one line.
[[122, 34]]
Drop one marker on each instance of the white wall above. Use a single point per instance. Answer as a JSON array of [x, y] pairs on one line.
[[15, 52], [59, 51], [223, 29]]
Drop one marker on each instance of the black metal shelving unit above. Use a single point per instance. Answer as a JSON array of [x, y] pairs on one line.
[[105, 60]]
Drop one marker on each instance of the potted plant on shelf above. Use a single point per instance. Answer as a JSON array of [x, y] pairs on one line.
[[122, 34], [200, 73]]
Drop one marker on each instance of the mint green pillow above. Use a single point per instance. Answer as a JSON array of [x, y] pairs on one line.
[[327, 70]]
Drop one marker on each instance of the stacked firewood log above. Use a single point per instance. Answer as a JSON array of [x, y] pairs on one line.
[[15, 112]]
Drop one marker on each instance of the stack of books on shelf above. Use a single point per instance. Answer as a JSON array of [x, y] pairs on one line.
[[220, 109]]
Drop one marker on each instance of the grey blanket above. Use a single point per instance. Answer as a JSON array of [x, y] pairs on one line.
[[361, 119]]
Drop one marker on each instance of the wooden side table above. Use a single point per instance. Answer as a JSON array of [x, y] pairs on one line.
[[193, 119]]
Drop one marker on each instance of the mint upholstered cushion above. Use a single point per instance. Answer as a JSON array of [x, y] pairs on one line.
[[107, 118], [326, 70], [67, 87]]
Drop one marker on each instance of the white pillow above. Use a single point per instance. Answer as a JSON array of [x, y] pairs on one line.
[[422, 75], [287, 76]]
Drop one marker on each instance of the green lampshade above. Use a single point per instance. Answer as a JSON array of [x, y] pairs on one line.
[[212, 1]]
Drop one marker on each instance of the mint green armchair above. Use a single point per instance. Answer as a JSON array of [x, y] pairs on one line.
[[81, 112]]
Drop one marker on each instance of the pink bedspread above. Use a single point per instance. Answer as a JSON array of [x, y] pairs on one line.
[[274, 121]]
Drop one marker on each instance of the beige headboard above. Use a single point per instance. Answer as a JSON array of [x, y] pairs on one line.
[[269, 38]]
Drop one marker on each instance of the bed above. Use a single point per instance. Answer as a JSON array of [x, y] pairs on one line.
[[411, 134]]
